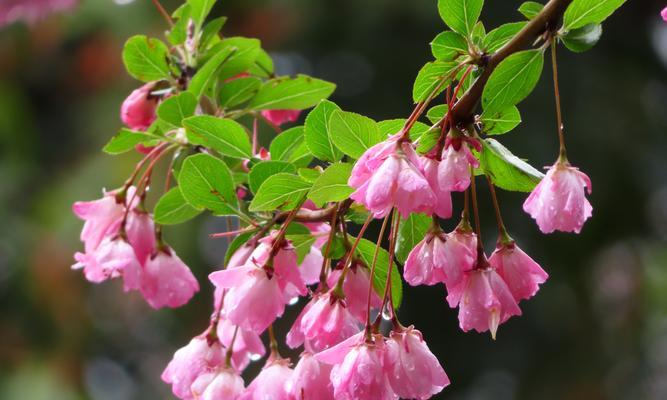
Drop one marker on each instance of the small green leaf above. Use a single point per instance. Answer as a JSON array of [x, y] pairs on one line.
[[146, 58], [173, 209], [309, 174], [284, 191], [263, 65], [332, 185], [316, 132], [290, 146], [582, 39], [200, 10], [448, 46], [460, 15], [530, 9], [430, 77], [178, 33], [238, 91], [366, 251], [584, 12], [500, 36], [175, 109], [206, 182], [392, 126], [506, 170], [263, 170], [246, 51], [436, 113], [291, 93], [302, 244], [353, 133], [428, 140], [207, 75], [126, 139], [502, 121], [513, 80], [210, 32], [410, 232], [226, 136]]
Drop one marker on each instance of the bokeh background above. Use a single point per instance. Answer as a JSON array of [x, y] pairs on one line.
[[596, 330]]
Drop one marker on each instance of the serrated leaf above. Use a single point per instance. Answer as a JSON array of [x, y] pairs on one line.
[[200, 10], [332, 185], [263, 170], [460, 15], [513, 80], [238, 91], [430, 77], [290, 146], [281, 191], [291, 93], [206, 182], [448, 45], [206, 76], [501, 122], [209, 34], [530, 9], [500, 36], [506, 170], [584, 12], [126, 140], [410, 232], [366, 251], [173, 209], [582, 39], [146, 58], [436, 113], [175, 109], [225, 136], [353, 133], [178, 33], [316, 132]]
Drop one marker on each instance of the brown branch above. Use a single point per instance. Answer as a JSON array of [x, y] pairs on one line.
[[547, 19]]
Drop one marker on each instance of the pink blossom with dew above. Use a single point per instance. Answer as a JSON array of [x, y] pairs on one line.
[[31, 11], [247, 344], [443, 198], [310, 380], [224, 383], [138, 109], [460, 251], [355, 288], [558, 202], [167, 281], [426, 262], [520, 272], [484, 301], [271, 383], [199, 357], [454, 169], [413, 371], [361, 375], [280, 117]]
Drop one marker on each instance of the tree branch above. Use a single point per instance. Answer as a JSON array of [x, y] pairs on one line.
[[547, 19]]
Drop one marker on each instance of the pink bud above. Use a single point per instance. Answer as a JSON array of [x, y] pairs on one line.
[[361, 375], [522, 275], [221, 384], [167, 281], [310, 380], [559, 201], [195, 359], [413, 371], [279, 117], [138, 109], [443, 202], [454, 169], [663, 14], [271, 383]]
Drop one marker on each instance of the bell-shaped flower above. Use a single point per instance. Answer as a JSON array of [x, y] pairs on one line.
[[167, 281], [443, 197], [310, 380], [361, 375], [197, 358], [138, 109], [558, 202], [247, 344], [271, 383], [520, 272], [454, 169], [224, 383], [427, 261], [113, 258], [413, 371], [102, 217], [140, 231]]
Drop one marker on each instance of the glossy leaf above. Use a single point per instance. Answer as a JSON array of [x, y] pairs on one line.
[[245, 53], [530, 9], [448, 45], [225, 136], [238, 91], [263, 170], [584, 12], [506, 170], [513, 80], [173, 209], [200, 10], [353, 133], [291, 93], [126, 140], [146, 58], [460, 15], [390, 127], [436, 113], [501, 122], [206, 182], [316, 132], [332, 185], [430, 77], [290, 146], [280, 191], [499, 37], [206, 76], [175, 109], [582, 39]]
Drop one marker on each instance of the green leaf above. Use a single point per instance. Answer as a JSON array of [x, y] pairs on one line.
[[280, 191], [126, 139], [207, 74], [506, 170], [366, 251], [428, 140], [499, 37], [302, 244], [238, 91], [200, 10], [530, 9], [246, 51], [316, 132], [175, 109], [263, 65], [436, 113], [502, 121], [206, 182], [460, 15], [173, 209], [263, 170], [332, 185], [430, 77], [178, 33], [410, 232], [392, 126], [582, 39], [309, 174], [226, 136], [584, 12], [448, 46], [210, 32], [290, 146], [353, 133], [291, 93], [146, 59], [513, 80]]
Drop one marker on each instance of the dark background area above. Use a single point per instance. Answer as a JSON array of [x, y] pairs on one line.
[[596, 330]]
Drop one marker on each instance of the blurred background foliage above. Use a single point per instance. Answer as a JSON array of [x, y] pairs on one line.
[[597, 329]]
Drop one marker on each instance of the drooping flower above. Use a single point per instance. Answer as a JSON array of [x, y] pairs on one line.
[[279, 117], [310, 380], [247, 344], [141, 234], [558, 202], [102, 217], [222, 383], [426, 262], [484, 301], [167, 281], [443, 198], [413, 371], [197, 358], [355, 287], [460, 251], [454, 169], [113, 258], [361, 375], [271, 383], [520, 272], [138, 109]]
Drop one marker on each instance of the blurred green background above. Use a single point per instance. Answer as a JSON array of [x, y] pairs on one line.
[[596, 330]]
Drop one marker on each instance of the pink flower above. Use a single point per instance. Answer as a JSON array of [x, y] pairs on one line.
[[271, 383], [325, 321], [355, 288], [167, 281], [361, 375], [460, 251], [454, 169], [663, 14], [279, 117], [413, 371], [138, 109], [397, 181], [521, 274], [221, 384], [484, 301], [443, 198], [141, 234], [31, 11], [199, 357], [311, 266], [310, 380], [559, 201], [247, 344], [113, 258], [102, 218]]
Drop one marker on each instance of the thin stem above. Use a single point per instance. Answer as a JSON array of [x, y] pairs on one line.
[[372, 274], [255, 128], [559, 115], [230, 233], [503, 236], [475, 210], [230, 349], [350, 254], [327, 259], [273, 343], [388, 295], [163, 12]]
